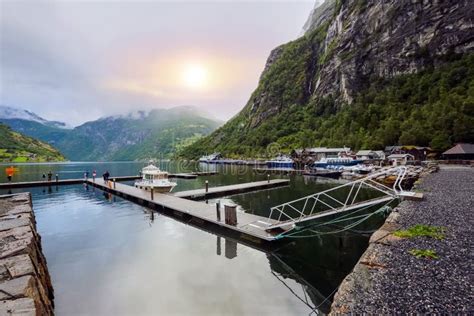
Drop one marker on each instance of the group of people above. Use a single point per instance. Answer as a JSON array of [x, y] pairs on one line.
[[105, 175], [50, 176], [11, 170]]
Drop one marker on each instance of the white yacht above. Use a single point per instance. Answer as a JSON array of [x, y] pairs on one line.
[[154, 179]]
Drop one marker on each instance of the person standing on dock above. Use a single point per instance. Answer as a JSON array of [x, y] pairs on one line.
[[94, 174], [106, 176], [44, 177], [10, 171], [50, 176]]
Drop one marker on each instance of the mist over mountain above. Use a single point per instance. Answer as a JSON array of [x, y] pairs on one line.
[[135, 135]]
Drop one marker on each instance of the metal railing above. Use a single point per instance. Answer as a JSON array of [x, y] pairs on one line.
[[327, 202]]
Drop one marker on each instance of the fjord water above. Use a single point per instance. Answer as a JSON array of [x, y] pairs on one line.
[[109, 256]]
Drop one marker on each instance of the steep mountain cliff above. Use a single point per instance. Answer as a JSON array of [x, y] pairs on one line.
[[366, 73], [15, 147]]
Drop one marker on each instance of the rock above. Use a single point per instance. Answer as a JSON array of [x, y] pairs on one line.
[[25, 284]]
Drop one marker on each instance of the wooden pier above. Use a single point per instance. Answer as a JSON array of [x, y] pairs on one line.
[[214, 192], [278, 170], [28, 184], [249, 226]]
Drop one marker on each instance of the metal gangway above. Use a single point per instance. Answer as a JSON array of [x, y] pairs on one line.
[[336, 200]]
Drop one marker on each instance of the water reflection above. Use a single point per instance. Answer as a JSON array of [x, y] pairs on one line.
[[109, 256]]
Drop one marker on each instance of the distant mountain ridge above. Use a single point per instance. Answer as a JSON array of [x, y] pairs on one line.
[[10, 113], [16, 147], [136, 135]]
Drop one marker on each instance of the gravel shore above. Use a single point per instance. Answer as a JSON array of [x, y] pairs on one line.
[[388, 279]]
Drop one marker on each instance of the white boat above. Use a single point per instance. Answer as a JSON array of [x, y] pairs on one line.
[[154, 179], [210, 158], [280, 161]]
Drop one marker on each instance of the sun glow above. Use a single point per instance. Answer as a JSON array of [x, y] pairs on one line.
[[195, 76]]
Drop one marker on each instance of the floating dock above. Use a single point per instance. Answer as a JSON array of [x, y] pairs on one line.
[[278, 170], [249, 226], [214, 192], [28, 184]]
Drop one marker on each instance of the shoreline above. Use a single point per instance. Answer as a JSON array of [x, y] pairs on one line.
[[388, 279], [25, 283]]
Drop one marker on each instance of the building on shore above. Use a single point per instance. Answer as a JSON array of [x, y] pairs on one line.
[[462, 151], [418, 152], [370, 155], [400, 159]]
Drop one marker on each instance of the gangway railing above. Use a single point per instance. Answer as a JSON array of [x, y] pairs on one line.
[[329, 202]]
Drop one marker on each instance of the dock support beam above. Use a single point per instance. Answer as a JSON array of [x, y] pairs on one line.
[[218, 211], [231, 214]]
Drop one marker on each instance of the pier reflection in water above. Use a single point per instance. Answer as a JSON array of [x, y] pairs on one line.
[[110, 256]]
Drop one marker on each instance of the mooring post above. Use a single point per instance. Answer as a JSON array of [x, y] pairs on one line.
[[230, 214], [207, 186], [268, 177], [152, 193], [218, 211]]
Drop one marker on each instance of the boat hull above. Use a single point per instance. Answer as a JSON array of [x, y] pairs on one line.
[[160, 189]]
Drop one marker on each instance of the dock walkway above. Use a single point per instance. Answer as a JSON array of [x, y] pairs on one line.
[[247, 224], [213, 192], [41, 183]]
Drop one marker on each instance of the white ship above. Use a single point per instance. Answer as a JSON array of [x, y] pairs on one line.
[[154, 179]]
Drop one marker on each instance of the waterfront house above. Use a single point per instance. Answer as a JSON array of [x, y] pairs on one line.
[[418, 152], [370, 155], [462, 151], [400, 159]]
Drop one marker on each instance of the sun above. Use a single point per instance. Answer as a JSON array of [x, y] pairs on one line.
[[195, 76]]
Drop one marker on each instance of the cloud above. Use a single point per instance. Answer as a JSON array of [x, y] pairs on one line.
[[77, 61]]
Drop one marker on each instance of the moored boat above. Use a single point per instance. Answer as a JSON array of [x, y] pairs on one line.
[[281, 161], [335, 162], [154, 179]]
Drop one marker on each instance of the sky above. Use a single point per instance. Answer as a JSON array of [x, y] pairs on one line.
[[76, 61]]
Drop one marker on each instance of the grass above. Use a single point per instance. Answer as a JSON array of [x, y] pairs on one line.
[[421, 231], [424, 253]]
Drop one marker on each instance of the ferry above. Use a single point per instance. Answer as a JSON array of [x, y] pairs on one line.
[[335, 163], [210, 158], [281, 161], [154, 179]]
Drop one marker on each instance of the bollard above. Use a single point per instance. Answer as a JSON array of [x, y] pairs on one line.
[[207, 186], [230, 214], [218, 211], [57, 177], [268, 178], [152, 193]]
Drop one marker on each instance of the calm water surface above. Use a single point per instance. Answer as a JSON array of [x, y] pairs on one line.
[[109, 256]]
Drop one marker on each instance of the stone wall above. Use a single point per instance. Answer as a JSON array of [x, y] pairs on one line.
[[25, 284]]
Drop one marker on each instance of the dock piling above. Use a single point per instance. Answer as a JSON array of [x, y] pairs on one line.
[[114, 182], [207, 186], [152, 193], [268, 177], [231, 214], [218, 211]]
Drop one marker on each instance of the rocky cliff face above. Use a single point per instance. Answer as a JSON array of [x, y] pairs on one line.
[[366, 39], [350, 46]]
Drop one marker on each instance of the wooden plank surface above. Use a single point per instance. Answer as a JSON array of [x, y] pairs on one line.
[[249, 224], [214, 192]]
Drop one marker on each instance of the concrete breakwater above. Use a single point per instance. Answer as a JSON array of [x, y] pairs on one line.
[[389, 278], [25, 284]]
